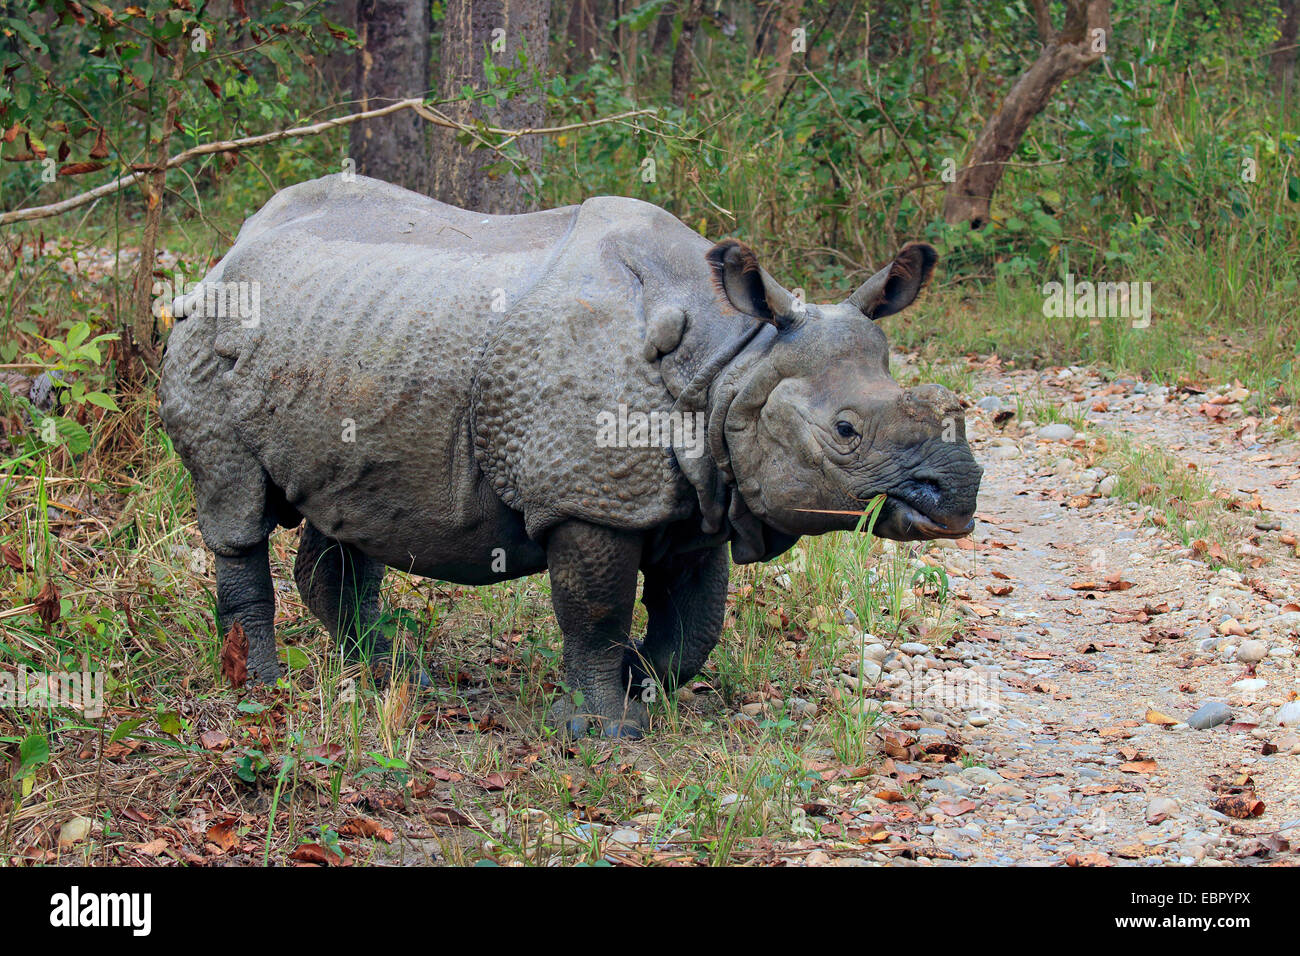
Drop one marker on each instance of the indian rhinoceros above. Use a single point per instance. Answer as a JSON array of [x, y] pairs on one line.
[[593, 391]]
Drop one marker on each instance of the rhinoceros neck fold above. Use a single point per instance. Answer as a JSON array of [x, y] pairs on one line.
[[696, 394], [712, 390]]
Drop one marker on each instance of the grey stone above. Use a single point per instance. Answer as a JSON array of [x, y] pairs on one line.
[[1210, 714], [981, 777], [1057, 431], [1252, 652]]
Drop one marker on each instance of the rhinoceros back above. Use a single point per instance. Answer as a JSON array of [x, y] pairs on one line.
[[406, 354]]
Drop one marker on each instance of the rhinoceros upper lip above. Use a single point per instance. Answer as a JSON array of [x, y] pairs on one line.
[[929, 527]]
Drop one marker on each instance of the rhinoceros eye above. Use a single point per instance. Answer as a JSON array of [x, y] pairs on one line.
[[845, 430]]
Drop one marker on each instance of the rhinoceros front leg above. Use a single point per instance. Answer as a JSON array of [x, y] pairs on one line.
[[686, 599], [246, 597], [593, 589]]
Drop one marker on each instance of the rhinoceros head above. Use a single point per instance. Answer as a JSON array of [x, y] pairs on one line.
[[817, 425]]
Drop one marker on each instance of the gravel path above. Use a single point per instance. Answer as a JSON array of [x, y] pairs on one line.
[[1102, 636]]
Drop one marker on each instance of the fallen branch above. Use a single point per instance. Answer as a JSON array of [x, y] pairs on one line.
[[226, 146]]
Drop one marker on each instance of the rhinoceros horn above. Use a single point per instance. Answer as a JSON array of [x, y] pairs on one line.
[[748, 287], [895, 286]]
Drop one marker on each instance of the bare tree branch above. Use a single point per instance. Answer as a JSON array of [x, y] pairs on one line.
[[428, 113]]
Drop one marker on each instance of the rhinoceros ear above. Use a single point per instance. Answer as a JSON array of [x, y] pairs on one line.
[[894, 287], [738, 276]]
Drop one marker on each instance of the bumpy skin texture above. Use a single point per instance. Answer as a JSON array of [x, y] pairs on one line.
[[245, 597], [593, 589], [425, 385]]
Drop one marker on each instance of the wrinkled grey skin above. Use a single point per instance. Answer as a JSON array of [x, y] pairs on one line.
[[468, 357]]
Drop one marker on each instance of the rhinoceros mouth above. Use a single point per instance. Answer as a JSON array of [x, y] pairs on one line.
[[914, 523]]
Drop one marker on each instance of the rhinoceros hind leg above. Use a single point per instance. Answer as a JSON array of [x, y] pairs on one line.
[[341, 587], [593, 589], [686, 600], [245, 597]]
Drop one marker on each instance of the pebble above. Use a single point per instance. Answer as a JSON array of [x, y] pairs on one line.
[[1107, 485], [1250, 685], [74, 831], [990, 403], [981, 777], [1252, 652], [1161, 808], [913, 648], [1058, 431], [1210, 714], [868, 671], [1288, 715]]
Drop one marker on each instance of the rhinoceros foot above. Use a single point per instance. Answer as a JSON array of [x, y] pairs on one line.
[[262, 670], [631, 722]]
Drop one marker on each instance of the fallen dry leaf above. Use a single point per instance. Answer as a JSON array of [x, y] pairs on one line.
[[223, 835], [48, 605], [365, 827], [1241, 806], [316, 855], [447, 817], [326, 751], [214, 740], [234, 656], [1139, 766], [152, 848], [956, 808]]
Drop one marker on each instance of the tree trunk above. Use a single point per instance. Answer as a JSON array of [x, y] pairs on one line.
[[138, 334], [461, 174], [664, 28], [683, 64], [1066, 54], [392, 64], [1282, 59], [781, 42], [583, 34]]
